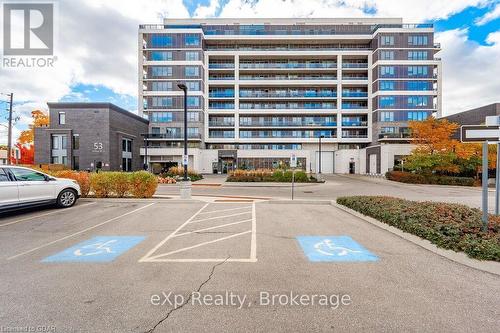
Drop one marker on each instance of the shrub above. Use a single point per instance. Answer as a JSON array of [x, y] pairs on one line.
[[101, 184], [451, 226], [144, 184], [178, 171], [120, 184], [82, 178], [266, 175], [415, 178], [166, 180]]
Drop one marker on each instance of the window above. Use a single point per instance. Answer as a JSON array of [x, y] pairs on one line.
[[387, 71], [417, 55], [418, 40], [76, 141], [387, 101], [155, 130], [76, 163], [414, 101], [161, 86], [27, 175], [387, 85], [193, 132], [387, 40], [386, 55], [192, 40], [62, 118], [162, 101], [161, 55], [417, 71], [193, 101], [192, 71], [161, 41], [161, 117], [418, 85], [386, 130], [192, 56], [417, 115], [161, 71], [386, 116], [3, 176], [193, 116], [126, 145], [193, 85]]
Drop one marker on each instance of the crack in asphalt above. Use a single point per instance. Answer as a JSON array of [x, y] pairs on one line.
[[212, 271]]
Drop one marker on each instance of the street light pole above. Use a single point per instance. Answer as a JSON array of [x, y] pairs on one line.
[[186, 184], [319, 166], [9, 135]]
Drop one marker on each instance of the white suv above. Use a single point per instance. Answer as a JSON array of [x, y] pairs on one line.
[[23, 187]]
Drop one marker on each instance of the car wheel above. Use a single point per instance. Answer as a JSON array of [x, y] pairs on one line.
[[66, 198]]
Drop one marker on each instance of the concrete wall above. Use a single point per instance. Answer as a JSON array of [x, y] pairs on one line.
[[344, 157]]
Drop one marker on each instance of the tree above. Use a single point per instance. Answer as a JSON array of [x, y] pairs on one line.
[[40, 119], [433, 136]]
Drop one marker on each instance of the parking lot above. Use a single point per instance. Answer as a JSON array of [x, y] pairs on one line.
[[204, 265]]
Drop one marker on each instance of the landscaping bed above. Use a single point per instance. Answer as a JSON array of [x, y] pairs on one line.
[[178, 172], [267, 175], [450, 226], [415, 178]]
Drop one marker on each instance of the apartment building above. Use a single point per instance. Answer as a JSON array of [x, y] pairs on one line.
[[262, 90]]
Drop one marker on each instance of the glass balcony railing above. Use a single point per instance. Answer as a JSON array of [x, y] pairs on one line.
[[288, 77], [221, 135], [277, 94], [281, 65], [354, 94], [394, 135], [286, 124], [284, 134], [225, 77], [172, 136], [355, 136], [221, 123], [353, 106], [288, 106], [348, 77], [355, 123], [354, 65], [225, 94], [221, 65], [221, 105]]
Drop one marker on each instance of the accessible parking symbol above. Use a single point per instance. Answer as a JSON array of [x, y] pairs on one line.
[[97, 249], [334, 248]]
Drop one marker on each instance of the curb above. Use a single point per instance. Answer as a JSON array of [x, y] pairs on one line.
[[299, 202], [491, 267]]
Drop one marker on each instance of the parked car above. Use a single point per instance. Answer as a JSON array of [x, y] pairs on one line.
[[22, 187]]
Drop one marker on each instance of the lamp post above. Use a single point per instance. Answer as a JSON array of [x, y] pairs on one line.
[[186, 185], [319, 157]]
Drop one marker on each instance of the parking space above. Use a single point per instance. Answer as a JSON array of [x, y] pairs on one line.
[[97, 267]]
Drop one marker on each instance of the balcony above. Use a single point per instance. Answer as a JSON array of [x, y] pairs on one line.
[[354, 123], [355, 65], [354, 77], [221, 77], [287, 65], [221, 123], [354, 136], [221, 134], [221, 65], [287, 106], [286, 94], [172, 136], [286, 134], [221, 94], [225, 106], [287, 124], [354, 106], [288, 77], [394, 136], [354, 94]]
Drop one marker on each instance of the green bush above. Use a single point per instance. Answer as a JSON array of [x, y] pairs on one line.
[[415, 178], [265, 175], [101, 184], [144, 184], [120, 183], [451, 226]]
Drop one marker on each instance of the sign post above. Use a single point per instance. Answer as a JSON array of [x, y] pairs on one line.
[[485, 134]]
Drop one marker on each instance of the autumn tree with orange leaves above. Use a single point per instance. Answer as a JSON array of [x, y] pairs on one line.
[[438, 152], [25, 142]]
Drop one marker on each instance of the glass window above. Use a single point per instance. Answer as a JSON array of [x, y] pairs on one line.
[[387, 101], [155, 130], [387, 85], [193, 101], [161, 117], [192, 40], [386, 55], [418, 40], [417, 55], [417, 71], [193, 116], [193, 85], [127, 145], [417, 115], [162, 101], [192, 56], [414, 101], [62, 118], [387, 70], [387, 40], [385, 130], [193, 131], [161, 41], [192, 71], [386, 116], [418, 85], [161, 55], [3, 176], [27, 175], [76, 163], [161, 86], [76, 141]]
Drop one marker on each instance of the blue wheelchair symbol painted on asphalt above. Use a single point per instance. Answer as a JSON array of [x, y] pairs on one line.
[[97, 249], [334, 248]]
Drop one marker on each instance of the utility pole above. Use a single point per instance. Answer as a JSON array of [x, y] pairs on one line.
[[9, 137]]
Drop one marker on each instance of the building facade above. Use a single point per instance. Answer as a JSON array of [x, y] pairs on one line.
[[90, 136], [262, 90]]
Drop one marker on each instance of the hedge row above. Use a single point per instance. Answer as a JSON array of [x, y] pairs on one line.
[[266, 175], [414, 178], [451, 226], [140, 184]]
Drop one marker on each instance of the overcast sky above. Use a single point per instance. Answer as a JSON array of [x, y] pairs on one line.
[[97, 46]]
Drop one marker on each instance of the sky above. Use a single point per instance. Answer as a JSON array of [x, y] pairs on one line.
[[96, 46]]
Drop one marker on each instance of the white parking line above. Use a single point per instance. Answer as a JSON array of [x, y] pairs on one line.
[[49, 213], [224, 210], [205, 229], [253, 244], [80, 232], [220, 217]]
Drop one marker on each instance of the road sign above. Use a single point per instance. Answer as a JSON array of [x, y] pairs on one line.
[[479, 133], [97, 249], [185, 159], [293, 161], [334, 248]]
